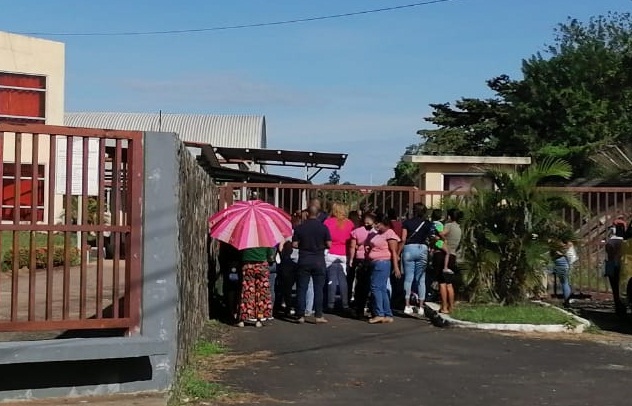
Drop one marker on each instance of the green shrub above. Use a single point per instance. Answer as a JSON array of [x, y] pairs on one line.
[[23, 257]]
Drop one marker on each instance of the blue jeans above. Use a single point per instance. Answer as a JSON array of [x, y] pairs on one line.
[[415, 262], [562, 270], [380, 274]]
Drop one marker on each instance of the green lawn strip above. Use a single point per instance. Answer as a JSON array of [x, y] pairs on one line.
[[519, 314]]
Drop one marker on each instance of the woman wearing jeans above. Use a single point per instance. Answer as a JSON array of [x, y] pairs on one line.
[[414, 253], [384, 256], [562, 269]]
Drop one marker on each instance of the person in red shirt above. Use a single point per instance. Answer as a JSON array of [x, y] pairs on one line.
[[396, 224]]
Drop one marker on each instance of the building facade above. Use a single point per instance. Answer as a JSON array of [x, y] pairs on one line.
[[32, 75]]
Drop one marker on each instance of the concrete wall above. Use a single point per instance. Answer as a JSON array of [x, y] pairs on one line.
[[28, 55]]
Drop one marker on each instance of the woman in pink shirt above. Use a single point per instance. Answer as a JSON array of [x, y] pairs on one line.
[[359, 265], [384, 257], [337, 257]]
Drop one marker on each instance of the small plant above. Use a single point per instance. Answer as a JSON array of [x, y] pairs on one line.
[[23, 257], [195, 388], [208, 348]]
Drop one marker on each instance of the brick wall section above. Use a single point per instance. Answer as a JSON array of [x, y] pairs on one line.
[[198, 199]]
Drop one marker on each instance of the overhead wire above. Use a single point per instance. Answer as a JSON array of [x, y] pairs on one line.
[[237, 27]]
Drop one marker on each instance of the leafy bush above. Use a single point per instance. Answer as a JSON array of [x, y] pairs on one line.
[[507, 231], [23, 257]]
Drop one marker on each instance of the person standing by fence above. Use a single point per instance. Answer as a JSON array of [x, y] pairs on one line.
[[256, 298], [337, 257], [360, 263], [414, 252], [311, 238], [384, 256]]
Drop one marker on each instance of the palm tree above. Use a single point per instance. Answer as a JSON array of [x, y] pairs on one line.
[[508, 230]]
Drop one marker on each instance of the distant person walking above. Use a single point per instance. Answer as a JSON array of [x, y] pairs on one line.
[[311, 238], [337, 257], [561, 269], [614, 254]]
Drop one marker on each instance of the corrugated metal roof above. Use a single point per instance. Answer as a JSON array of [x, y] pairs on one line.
[[237, 131]]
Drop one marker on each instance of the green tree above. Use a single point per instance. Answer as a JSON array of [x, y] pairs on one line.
[[573, 98], [334, 178], [508, 229], [406, 173]]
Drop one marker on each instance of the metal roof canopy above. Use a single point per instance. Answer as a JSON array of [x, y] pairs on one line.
[[211, 164], [272, 157]]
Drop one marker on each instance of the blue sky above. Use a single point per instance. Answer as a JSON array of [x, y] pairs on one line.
[[359, 85]]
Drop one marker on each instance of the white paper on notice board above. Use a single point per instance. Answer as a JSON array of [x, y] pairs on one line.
[[77, 166]]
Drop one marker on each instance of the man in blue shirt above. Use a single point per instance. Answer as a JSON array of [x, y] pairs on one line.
[[311, 238]]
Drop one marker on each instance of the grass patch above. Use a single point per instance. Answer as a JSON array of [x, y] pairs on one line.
[[209, 348], [193, 387], [41, 240], [519, 314]]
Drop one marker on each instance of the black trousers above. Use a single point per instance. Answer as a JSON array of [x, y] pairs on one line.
[[317, 273], [363, 285]]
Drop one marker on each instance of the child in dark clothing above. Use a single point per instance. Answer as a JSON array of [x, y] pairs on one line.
[[443, 266]]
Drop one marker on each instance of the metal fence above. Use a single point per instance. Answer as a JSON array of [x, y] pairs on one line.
[[602, 204], [71, 228]]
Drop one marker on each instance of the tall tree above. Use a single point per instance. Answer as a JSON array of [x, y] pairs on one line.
[[574, 97]]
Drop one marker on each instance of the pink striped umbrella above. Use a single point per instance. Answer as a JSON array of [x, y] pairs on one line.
[[250, 224]]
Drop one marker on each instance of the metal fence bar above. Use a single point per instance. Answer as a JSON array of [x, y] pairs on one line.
[[83, 235], [32, 234], [116, 218], [16, 219], [51, 220], [100, 238], [67, 222]]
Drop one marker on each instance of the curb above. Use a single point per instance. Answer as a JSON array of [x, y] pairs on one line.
[[432, 310]]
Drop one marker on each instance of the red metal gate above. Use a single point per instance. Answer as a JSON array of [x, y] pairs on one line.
[[71, 228]]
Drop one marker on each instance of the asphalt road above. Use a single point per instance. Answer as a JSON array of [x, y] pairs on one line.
[[410, 362]]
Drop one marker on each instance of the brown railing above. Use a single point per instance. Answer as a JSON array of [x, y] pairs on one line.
[[603, 204], [71, 228]]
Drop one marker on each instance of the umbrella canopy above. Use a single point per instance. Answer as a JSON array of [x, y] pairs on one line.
[[250, 224]]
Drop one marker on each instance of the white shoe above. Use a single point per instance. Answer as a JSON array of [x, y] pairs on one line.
[[408, 310]]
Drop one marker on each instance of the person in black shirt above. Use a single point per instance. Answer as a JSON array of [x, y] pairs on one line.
[[311, 238], [322, 215], [414, 254]]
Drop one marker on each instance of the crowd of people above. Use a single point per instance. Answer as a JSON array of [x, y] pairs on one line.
[[347, 263]]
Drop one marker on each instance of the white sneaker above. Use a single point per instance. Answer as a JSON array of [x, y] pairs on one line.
[[408, 310]]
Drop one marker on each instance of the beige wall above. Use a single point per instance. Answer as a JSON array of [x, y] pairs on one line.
[[20, 54]]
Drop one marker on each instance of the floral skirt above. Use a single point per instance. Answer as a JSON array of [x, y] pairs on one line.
[[256, 298]]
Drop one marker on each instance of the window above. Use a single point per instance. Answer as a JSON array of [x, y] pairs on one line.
[[24, 202], [464, 182], [22, 98]]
